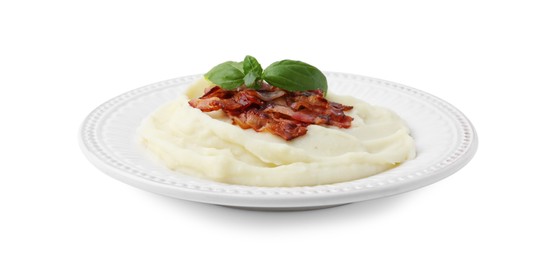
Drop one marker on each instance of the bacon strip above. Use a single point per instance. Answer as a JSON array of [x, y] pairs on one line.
[[270, 109]]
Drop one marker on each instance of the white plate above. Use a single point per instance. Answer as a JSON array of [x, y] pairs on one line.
[[445, 141]]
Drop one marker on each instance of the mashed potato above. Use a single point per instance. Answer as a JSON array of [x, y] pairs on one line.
[[207, 145]]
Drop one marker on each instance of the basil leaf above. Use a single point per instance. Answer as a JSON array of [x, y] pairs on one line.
[[250, 79], [295, 75], [229, 75], [252, 71]]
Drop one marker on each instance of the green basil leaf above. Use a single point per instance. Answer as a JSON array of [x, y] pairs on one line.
[[295, 76], [229, 75], [252, 71], [250, 79]]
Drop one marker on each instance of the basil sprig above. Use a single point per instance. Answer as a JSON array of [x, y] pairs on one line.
[[290, 75]]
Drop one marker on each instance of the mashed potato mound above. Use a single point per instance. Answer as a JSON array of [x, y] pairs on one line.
[[207, 145]]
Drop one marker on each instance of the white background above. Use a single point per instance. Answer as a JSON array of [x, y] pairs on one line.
[[61, 59]]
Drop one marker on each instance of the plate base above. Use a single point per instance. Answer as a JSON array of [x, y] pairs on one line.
[[285, 208]]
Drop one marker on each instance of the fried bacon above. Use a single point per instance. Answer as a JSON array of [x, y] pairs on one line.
[[270, 109]]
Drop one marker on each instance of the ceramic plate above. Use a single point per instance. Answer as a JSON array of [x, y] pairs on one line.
[[445, 142]]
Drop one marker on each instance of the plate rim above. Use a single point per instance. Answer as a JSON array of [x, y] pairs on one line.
[[282, 198]]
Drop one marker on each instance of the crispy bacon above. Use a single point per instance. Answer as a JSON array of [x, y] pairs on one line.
[[270, 109]]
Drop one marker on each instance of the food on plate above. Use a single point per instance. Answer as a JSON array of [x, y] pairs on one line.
[[277, 127]]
